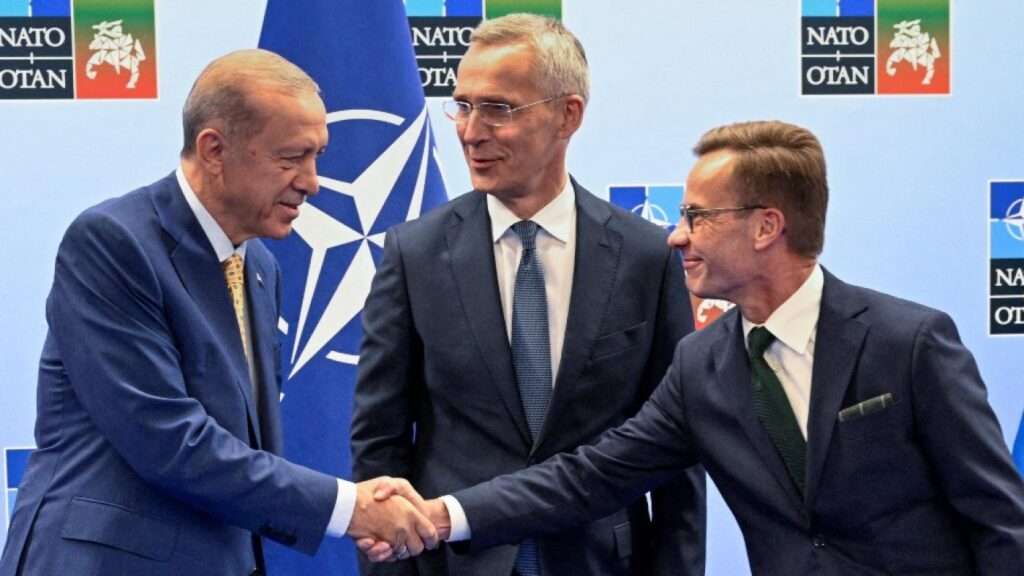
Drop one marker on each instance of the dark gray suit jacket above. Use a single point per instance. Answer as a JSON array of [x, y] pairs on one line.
[[925, 486], [437, 401]]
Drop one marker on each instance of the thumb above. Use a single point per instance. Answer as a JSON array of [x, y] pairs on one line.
[[388, 487]]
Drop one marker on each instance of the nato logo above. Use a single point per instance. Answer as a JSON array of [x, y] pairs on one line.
[[838, 46], [15, 462], [655, 203], [343, 231], [440, 36], [85, 49], [441, 30], [875, 47], [36, 56], [1006, 257]]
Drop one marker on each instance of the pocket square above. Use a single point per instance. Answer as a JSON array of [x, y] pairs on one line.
[[869, 406]]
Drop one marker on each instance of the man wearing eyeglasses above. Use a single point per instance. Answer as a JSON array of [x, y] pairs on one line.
[[847, 430], [522, 320]]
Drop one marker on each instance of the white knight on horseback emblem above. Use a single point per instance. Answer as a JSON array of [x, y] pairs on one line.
[[913, 46], [115, 48]]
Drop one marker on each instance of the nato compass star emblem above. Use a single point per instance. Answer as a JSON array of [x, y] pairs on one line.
[[343, 228], [1014, 219]]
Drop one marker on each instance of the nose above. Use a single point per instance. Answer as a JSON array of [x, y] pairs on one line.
[[306, 180], [680, 237], [472, 130]]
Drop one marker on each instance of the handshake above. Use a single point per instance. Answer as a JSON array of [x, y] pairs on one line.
[[393, 522]]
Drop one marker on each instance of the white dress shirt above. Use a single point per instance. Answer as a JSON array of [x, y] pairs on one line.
[[224, 249], [556, 250], [791, 354], [345, 503]]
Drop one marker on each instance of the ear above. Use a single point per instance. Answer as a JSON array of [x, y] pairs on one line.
[[572, 109], [211, 147], [769, 226]]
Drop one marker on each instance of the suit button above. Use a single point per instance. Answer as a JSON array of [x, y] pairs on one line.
[[818, 541]]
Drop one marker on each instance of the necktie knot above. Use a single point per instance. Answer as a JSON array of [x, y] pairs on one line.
[[759, 340], [527, 232], [234, 272]]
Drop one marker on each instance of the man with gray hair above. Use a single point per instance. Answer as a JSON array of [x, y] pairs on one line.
[[522, 320], [848, 430], [158, 428]]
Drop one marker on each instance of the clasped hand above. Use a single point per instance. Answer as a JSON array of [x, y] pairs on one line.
[[393, 522]]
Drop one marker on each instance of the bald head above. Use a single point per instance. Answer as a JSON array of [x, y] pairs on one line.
[[220, 97]]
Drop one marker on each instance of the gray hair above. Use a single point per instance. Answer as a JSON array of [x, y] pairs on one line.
[[561, 62], [220, 93]]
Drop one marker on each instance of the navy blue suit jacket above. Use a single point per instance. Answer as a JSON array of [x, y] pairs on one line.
[[437, 400], [925, 486], [153, 455]]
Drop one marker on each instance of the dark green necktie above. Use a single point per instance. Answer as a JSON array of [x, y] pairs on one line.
[[773, 409]]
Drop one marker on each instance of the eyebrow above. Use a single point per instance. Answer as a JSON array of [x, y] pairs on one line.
[[483, 100]]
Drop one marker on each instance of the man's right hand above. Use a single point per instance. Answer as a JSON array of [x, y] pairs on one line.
[[378, 550], [393, 521]]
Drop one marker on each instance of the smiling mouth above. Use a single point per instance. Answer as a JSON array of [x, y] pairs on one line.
[[291, 207], [689, 262]]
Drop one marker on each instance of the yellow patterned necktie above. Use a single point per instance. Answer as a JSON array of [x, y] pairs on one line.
[[234, 274]]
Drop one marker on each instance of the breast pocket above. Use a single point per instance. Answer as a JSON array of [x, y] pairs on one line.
[[873, 417], [618, 342]]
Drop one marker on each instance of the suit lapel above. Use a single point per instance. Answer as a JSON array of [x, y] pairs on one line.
[[201, 274], [839, 339], [262, 324], [733, 372], [471, 253], [596, 261]]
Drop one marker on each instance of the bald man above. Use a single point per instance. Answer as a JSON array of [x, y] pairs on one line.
[[158, 426]]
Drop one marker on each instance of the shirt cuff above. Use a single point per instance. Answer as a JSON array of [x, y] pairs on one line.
[[460, 525], [344, 507]]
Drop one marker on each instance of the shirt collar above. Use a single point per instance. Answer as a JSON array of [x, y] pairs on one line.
[[793, 322], [555, 218], [222, 245]]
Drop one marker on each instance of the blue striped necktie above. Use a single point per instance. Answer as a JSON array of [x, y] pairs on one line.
[[531, 356]]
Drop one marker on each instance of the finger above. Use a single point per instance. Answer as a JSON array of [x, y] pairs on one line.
[[422, 533], [437, 513], [376, 551], [379, 557], [427, 532], [405, 489], [383, 489], [413, 542], [365, 544], [399, 539], [381, 552]]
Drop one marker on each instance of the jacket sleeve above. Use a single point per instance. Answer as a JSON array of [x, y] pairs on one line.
[[679, 512], [593, 481], [107, 314], [390, 369], [963, 441]]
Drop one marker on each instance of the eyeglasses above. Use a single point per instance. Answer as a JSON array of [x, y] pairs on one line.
[[691, 215], [490, 113]]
